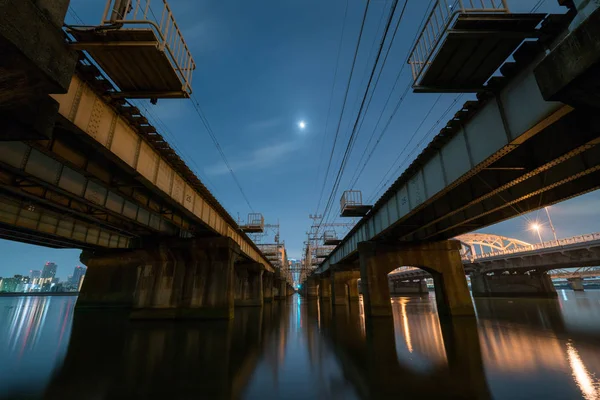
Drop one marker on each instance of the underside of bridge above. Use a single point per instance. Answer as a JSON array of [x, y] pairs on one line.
[[80, 167], [514, 150]]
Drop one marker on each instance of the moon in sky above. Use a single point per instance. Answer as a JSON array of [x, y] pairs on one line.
[[302, 124]]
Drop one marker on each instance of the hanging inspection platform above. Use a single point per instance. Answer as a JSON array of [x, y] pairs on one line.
[[351, 204], [255, 224], [464, 42], [330, 238], [140, 48]]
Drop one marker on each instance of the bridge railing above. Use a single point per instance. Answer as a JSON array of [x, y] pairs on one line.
[[544, 245], [162, 21], [437, 24]]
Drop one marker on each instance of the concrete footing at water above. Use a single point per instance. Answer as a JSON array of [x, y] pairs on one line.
[[441, 259], [512, 284], [408, 287], [182, 279]]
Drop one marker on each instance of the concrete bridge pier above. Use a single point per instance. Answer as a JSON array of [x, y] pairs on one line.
[[249, 284], [280, 289], [353, 294], [190, 279], [339, 288], [576, 284], [512, 284], [311, 288], [324, 288], [410, 286], [441, 259], [267, 279], [344, 287], [111, 278], [176, 279]]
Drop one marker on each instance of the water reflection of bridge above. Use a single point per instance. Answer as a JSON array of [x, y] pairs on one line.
[[413, 355]]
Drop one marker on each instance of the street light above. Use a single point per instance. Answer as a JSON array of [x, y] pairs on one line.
[[536, 227]]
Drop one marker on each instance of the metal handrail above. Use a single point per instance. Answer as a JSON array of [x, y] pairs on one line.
[[139, 12], [440, 17], [351, 198], [544, 245]]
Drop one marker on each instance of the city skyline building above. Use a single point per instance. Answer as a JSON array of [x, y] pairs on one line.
[[78, 273], [48, 276]]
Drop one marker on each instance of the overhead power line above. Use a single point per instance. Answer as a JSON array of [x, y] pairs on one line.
[[359, 170], [352, 138], [382, 185], [211, 133], [337, 64], [362, 26]]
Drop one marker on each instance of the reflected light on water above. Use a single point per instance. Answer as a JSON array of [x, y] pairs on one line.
[[582, 377], [405, 325]]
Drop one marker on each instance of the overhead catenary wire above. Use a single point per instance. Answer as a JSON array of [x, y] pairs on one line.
[[352, 138], [384, 183], [335, 73], [75, 16], [360, 34], [359, 170], [174, 143], [215, 141]]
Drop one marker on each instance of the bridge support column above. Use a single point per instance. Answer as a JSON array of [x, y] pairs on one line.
[[280, 289], [267, 279], [339, 288], [249, 284], [410, 286], [576, 284], [311, 288], [441, 259], [534, 284], [188, 279], [353, 294], [324, 288], [110, 279]]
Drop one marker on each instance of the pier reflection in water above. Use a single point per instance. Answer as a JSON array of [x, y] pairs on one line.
[[305, 349]]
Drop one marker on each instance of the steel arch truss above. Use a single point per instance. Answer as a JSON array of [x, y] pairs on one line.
[[488, 243]]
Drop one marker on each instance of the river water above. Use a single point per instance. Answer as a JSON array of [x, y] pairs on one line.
[[298, 349]]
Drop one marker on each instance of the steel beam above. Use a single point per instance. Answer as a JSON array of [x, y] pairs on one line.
[[92, 115], [504, 123], [19, 219]]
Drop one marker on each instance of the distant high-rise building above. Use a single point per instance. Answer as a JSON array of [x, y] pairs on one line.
[[49, 270], [35, 274], [47, 277], [78, 272], [15, 284]]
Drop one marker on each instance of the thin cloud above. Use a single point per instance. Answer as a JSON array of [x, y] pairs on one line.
[[264, 124], [258, 159]]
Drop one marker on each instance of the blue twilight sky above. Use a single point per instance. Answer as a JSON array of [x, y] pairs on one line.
[[263, 66]]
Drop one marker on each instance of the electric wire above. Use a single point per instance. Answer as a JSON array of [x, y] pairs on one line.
[[75, 15], [352, 138], [173, 142], [360, 34], [382, 185], [335, 73], [215, 141], [355, 177], [534, 9]]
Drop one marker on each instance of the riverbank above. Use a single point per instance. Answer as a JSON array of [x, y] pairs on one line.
[[39, 294]]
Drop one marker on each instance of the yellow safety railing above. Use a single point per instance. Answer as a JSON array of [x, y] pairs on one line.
[[161, 19], [437, 23]]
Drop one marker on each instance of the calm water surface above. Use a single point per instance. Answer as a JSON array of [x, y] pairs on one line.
[[516, 349]]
